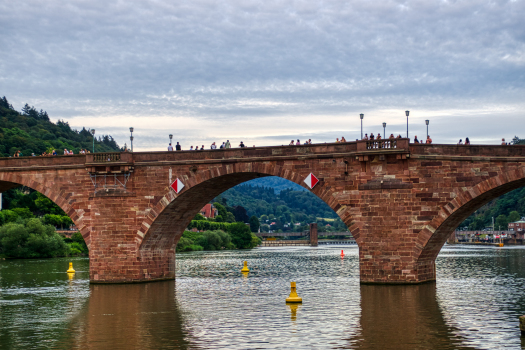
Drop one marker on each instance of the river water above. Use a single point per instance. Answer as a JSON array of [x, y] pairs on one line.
[[474, 304]]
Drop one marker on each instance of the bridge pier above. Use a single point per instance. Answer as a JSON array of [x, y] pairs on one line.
[[313, 235]]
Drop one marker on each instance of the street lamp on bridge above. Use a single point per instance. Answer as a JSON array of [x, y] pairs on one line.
[[361, 116], [93, 133], [426, 122], [384, 128], [131, 138], [171, 137], [407, 113]]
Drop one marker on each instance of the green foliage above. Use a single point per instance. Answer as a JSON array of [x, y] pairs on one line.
[[31, 240], [207, 240], [509, 207], [290, 205], [254, 224], [23, 213], [501, 222], [198, 216], [78, 244], [255, 241], [7, 216], [205, 225], [32, 132], [187, 245], [59, 221], [513, 216], [241, 235]]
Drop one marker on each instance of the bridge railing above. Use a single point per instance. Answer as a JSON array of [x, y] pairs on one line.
[[106, 157], [109, 157], [381, 144]]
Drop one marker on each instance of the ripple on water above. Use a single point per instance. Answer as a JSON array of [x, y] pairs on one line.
[[474, 304]]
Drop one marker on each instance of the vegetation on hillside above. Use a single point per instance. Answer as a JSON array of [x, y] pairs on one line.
[[509, 207], [31, 131], [287, 211]]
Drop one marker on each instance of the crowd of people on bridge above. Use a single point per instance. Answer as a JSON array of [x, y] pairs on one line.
[[51, 153]]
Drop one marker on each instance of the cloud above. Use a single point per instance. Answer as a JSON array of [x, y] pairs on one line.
[[267, 70]]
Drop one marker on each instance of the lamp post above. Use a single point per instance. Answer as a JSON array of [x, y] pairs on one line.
[[171, 137], [384, 128], [93, 133], [131, 138], [407, 113], [426, 122], [361, 116]]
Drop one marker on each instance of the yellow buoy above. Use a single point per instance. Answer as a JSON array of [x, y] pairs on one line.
[[245, 268], [70, 270], [501, 244], [294, 298]]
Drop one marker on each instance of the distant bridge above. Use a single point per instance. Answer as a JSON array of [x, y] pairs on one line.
[[301, 234]]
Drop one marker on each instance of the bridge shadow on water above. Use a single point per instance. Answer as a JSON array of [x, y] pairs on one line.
[[148, 316], [403, 317], [129, 316]]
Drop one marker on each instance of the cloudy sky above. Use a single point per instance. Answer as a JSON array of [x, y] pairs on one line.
[[267, 71]]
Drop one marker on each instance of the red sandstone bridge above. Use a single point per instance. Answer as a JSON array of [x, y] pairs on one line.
[[400, 201]]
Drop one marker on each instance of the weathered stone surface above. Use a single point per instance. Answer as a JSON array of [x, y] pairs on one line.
[[401, 204]]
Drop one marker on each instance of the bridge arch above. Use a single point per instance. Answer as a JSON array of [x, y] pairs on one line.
[[55, 194], [166, 221], [432, 238]]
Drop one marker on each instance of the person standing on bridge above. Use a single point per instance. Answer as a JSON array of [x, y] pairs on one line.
[[213, 146], [223, 145], [467, 141], [298, 143], [460, 142], [170, 148], [177, 147], [241, 145], [429, 140], [415, 139], [227, 145]]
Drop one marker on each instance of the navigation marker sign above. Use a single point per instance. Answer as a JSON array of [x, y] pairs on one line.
[[177, 186], [311, 180]]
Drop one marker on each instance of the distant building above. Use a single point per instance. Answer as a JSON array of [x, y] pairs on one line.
[[209, 211], [517, 225]]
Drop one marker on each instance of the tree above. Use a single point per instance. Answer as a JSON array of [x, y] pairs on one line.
[[240, 214], [221, 209], [199, 216], [513, 216], [254, 224], [31, 240], [241, 235], [501, 222]]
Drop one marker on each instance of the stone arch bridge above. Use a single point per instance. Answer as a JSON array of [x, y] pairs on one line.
[[400, 201]]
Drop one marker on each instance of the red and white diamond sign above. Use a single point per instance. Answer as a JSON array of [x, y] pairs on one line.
[[311, 180], [177, 185]]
